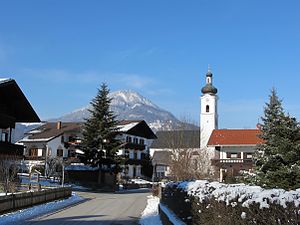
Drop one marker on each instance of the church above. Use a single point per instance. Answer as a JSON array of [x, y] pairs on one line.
[[226, 151], [230, 150]]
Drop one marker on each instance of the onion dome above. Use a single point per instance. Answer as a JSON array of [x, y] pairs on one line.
[[209, 89], [209, 74]]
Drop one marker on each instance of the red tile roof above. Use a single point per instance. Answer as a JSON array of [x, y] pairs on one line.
[[235, 137]]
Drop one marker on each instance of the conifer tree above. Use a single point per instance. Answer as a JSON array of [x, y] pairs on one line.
[[99, 142], [277, 159]]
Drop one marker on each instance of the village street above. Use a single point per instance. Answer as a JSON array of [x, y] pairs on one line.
[[98, 208]]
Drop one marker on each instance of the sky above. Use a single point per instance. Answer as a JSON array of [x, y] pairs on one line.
[[59, 52]]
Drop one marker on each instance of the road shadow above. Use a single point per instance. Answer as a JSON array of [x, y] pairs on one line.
[[82, 220]]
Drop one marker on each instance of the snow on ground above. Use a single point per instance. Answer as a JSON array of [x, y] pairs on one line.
[[245, 194], [43, 181], [38, 210], [150, 215]]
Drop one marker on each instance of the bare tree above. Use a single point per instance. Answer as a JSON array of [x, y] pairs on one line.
[[53, 167], [8, 172], [188, 161]]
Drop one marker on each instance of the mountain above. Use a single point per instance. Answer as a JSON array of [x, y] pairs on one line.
[[22, 128], [129, 105]]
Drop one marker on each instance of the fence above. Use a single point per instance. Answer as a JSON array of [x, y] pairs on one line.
[[21, 200]]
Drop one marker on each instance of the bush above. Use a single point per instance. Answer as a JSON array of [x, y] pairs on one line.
[[216, 205]]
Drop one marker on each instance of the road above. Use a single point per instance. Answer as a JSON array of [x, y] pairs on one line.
[[98, 208]]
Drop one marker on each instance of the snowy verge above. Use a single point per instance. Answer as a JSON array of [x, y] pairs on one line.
[[38, 210], [172, 217], [150, 215]]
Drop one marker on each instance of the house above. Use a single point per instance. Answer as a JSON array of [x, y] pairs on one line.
[[14, 108], [137, 137], [52, 139], [234, 150], [164, 146], [63, 139]]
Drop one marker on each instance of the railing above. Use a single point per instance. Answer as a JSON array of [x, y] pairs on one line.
[[33, 157], [231, 161]]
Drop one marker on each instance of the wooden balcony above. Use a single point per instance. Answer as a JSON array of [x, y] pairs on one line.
[[7, 148], [34, 157], [220, 162]]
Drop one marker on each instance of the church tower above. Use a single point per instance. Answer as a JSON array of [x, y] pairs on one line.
[[209, 113]]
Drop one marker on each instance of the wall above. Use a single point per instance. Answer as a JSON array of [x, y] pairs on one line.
[[27, 199]]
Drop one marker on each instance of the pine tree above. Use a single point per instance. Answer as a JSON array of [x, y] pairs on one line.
[[99, 142], [277, 159]]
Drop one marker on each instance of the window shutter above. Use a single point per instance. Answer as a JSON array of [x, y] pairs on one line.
[[239, 155]]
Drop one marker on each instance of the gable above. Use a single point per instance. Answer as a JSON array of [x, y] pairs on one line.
[[142, 130]]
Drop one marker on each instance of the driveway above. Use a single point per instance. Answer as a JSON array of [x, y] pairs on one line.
[[98, 208]]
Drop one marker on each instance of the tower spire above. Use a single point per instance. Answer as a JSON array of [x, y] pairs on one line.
[[209, 68]]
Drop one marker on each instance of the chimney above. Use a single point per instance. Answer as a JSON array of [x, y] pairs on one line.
[[58, 125]]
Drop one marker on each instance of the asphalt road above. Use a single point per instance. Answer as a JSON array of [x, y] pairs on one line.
[[98, 208]]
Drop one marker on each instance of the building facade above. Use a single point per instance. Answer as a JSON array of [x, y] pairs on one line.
[[52, 140], [136, 137]]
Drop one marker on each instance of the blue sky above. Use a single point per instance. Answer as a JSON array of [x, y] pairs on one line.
[[59, 52]]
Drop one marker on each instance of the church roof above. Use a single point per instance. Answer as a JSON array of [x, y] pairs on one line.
[[209, 88], [177, 139], [235, 137], [161, 157]]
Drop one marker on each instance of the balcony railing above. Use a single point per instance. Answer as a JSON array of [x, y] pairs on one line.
[[7, 148], [33, 157], [217, 162], [134, 146]]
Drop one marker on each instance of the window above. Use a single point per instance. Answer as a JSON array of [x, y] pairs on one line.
[[207, 108], [233, 155], [142, 141], [60, 152], [135, 155], [128, 139], [218, 148], [33, 151], [248, 155], [135, 140]]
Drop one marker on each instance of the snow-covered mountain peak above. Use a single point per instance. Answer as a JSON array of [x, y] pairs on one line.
[[130, 105], [130, 98]]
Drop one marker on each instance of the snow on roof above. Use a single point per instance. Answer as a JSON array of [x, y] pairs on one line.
[[245, 194], [3, 80], [127, 127], [27, 139]]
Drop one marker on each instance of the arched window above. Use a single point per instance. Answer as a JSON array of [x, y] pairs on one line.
[[207, 108]]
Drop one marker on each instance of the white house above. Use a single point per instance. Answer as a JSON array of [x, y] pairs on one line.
[[49, 141], [137, 136]]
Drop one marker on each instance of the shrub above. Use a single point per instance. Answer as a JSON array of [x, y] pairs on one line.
[[204, 203]]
